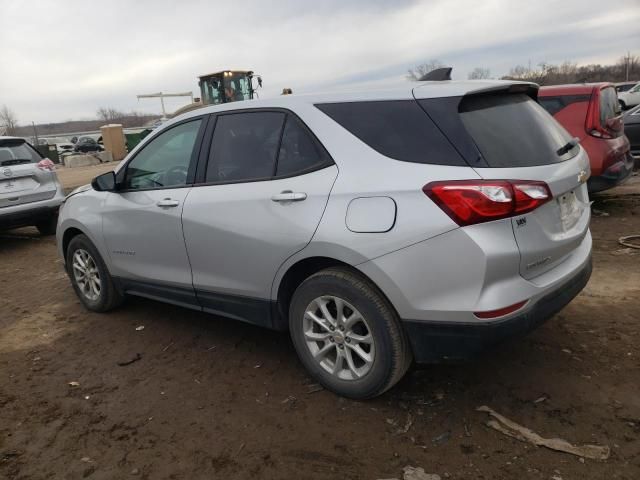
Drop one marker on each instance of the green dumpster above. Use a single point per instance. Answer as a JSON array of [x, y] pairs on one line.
[[49, 151]]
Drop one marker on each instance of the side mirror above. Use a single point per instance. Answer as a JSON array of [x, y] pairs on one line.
[[105, 182]]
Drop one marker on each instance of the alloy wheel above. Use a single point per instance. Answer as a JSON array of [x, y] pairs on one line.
[[86, 274], [338, 337]]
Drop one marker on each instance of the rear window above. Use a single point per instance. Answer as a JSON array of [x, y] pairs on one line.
[[609, 105], [513, 130], [15, 152], [556, 103], [398, 129]]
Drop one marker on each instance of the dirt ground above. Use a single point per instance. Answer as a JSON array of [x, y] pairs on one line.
[[75, 177], [212, 398]]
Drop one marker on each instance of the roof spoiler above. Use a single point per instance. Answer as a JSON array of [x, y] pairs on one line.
[[437, 75], [528, 88]]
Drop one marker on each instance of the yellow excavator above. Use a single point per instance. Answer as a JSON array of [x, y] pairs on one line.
[[223, 87]]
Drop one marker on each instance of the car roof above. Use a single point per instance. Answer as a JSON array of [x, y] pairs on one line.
[[572, 88], [394, 91], [10, 138]]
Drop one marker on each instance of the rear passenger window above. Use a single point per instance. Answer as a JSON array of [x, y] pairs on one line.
[[399, 129], [245, 146], [299, 151]]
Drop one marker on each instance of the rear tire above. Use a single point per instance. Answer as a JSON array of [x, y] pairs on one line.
[[89, 276], [347, 335], [623, 105], [48, 226]]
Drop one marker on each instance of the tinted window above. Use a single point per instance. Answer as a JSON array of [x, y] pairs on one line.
[[513, 130], [609, 106], [399, 129], [554, 104], [15, 152], [165, 160], [299, 151], [245, 146]]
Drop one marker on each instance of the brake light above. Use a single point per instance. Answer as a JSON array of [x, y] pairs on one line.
[[468, 202], [593, 124], [46, 164]]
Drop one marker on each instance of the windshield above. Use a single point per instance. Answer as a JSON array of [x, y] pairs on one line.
[[211, 91], [236, 87], [15, 152]]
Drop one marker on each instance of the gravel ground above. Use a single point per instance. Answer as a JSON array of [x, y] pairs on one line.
[[212, 398]]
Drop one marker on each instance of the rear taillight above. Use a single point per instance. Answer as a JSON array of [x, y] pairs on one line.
[[468, 202], [593, 125], [46, 164]]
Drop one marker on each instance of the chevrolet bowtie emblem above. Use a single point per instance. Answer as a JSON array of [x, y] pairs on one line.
[[583, 176]]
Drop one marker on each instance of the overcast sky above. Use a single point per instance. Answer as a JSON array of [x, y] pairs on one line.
[[62, 60]]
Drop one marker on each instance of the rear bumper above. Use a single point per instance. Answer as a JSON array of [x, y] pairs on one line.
[[434, 341], [28, 214], [26, 218], [614, 175]]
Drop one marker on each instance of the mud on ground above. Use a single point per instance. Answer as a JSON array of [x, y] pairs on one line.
[[212, 398]]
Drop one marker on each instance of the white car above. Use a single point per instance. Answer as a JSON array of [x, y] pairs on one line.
[[426, 222], [630, 98]]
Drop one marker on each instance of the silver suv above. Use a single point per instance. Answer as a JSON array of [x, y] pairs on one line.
[[421, 223], [30, 193]]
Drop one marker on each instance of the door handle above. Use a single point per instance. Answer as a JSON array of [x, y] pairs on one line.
[[289, 196], [168, 202]]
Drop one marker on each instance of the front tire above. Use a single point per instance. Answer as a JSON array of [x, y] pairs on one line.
[[347, 335], [89, 276], [623, 105]]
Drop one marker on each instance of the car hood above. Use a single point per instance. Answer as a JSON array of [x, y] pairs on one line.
[[78, 190]]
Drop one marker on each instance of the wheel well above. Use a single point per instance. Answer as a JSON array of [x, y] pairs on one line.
[[67, 237], [297, 274]]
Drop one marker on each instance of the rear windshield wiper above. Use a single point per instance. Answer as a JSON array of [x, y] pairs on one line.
[[567, 147]]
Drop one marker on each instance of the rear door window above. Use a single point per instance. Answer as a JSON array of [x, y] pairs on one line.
[[513, 130], [398, 129], [244, 147], [16, 152], [299, 152], [609, 105]]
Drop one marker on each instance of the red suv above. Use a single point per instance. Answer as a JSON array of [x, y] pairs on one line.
[[591, 112]]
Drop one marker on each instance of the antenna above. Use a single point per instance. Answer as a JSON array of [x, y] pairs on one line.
[[439, 74]]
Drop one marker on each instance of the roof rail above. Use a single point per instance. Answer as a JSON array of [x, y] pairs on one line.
[[439, 74]]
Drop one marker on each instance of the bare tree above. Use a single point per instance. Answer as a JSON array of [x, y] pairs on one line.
[[8, 119], [570, 72], [630, 66], [419, 71], [479, 73], [109, 114]]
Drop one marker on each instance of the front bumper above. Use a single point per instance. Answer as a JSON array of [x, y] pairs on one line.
[[434, 342]]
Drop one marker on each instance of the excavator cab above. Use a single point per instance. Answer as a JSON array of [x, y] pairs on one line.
[[227, 86]]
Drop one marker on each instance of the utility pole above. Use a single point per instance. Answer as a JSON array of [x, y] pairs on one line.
[[35, 133], [627, 61], [162, 96]]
